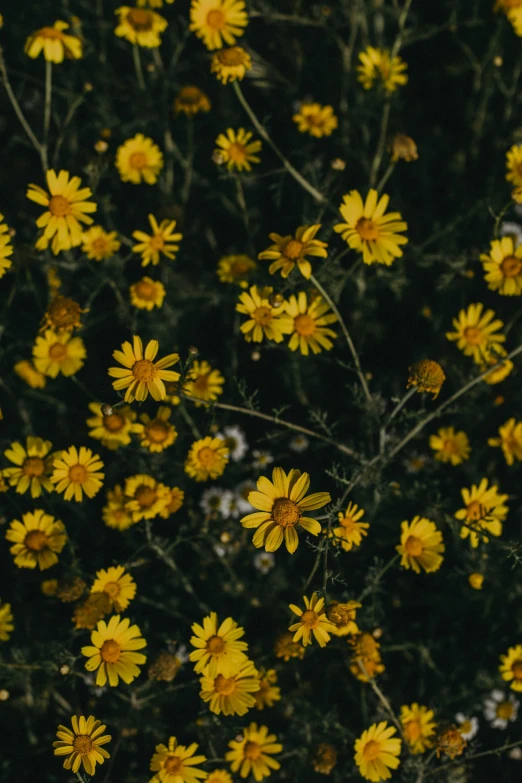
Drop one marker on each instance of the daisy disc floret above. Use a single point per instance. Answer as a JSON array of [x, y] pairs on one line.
[[82, 746], [313, 622], [98, 244], [310, 322], [421, 545], [112, 652], [289, 251], [140, 374], [450, 446], [218, 649], [58, 352], [118, 586]]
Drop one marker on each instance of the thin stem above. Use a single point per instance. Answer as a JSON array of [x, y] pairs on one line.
[[382, 698], [190, 161], [137, 67], [346, 333], [386, 176], [16, 106], [498, 219], [459, 761], [47, 111], [379, 152], [395, 411], [377, 579]]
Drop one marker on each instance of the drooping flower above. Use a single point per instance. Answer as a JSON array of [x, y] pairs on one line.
[[58, 352], [376, 65], [158, 433], [115, 513], [230, 64], [282, 502], [403, 148], [6, 248], [509, 440], [315, 119], [147, 293], [290, 251], [218, 22], [476, 332], [232, 695], [351, 530], [203, 382], [500, 709], [450, 446], [28, 372], [82, 745], [421, 545], [207, 458], [503, 267], [483, 514], [98, 244], [264, 320], [162, 241], [77, 471], [268, 692], [140, 26], [33, 466], [514, 165], [190, 101], [236, 269], [6, 622], [139, 159], [253, 753], [236, 151], [145, 497], [112, 651], [342, 617], [377, 751], [418, 727], [313, 622], [511, 667], [140, 375], [426, 376], [37, 540], [218, 649], [310, 324], [67, 206], [468, 727], [177, 763], [55, 44], [118, 586], [369, 230], [112, 426]]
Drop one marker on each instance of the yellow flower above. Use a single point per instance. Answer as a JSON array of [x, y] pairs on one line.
[[265, 320], [191, 100], [6, 622], [403, 148], [376, 65], [113, 651], [153, 3], [37, 540], [146, 497], [118, 586], [368, 230], [426, 376], [421, 545], [492, 357], [484, 512], [313, 621], [207, 458], [177, 763], [139, 159], [288, 251], [218, 22], [503, 267], [510, 441], [147, 293], [27, 371], [231, 695], [162, 241], [58, 352], [514, 165], [418, 726], [309, 321], [282, 502], [115, 513], [286, 648], [218, 650], [219, 776], [203, 382], [351, 531], [76, 472], [511, 667], [140, 375], [377, 751], [157, 434], [268, 692], [113, 427], [33, 466], [176, 497], [236, 269], [55, 44], [89, 612], [6, 248], [366, 662], [231, 64], [82, 745], [236, 150], [342, 617], [99, 245], [476, 333], [325, 758], [253, 753], [476, 581], [139, 26], [315, 119], [450, 446]]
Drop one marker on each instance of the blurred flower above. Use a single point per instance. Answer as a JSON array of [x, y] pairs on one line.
[[113, 429], [140, 375], [500, 710], [118, 586], [510, 441], [145, 497], [33, 466], [484, 512], [112, 651], [158, 433], [468, 727], [315, 119], [115, 513], [377, 65], [176, 763], [377, 751], [206, 459], [503, 267], [70, 589], [421, 545], [418, 726], [366, 660], [450, 742], [99, 245], [218, 22], [215, 500], [203, 382], [268, 692], [325, 758], [264, 562], [77, 471], [54, 43], [511, 667], [62, 314], [299, 443], [230, 64], [139, 159], [350, 531], [6, 621], [286, 648], [342, 617], [236, 269], [235, 439], [288, 251], [514, 165], [450, 446], [218, 650], [175, 497], [512, 230], [231, 695], [493, 356], [426, 376], [162, 241], [139, 26], [219, 776], [476, 581], [264, 319], [164, 667], [475, 333], [313, 622], [37, 540], [89, 612], [236, 150], [82, 745], [310, 321], [253, 752], [261, 459], [191, 100], [403, 148], [6, 248], [58, 352], [27, 371]]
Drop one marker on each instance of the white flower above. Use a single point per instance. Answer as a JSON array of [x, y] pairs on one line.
[[264, 562], [468, 727], [513, 230], [220, 550], [515, 753], [299, 443], [216, 501], [261, 458], [241, 496], [499, 710], [236, 442], [182, 654]]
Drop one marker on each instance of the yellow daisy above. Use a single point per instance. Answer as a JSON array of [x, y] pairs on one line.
[[176, 497], [58, 352], [313, 621], [191, 100], [218, 649], [351, 530], [376, 65], [264, 320], [476, 580], [203, 382], [6, 622], [66, 208], [113, 651], [368, 230], [118, 586], [231, 695], [28, 372], [82, 745], [236, 269], [115, 513], [99, 245], [139, 26], [476, 332], [153, 3], [309, 324], [162, 241], [282, 502], [514, 165], [286, 648], [418, 727], [377, 751], [76, 472], [236, 151], [503, 267], [342, 617], [218, 22], [268, 692], [289, 251], [139, 159], [421, 545], [492, 357], [140, 375], [147, 293], [510, 441], [158, 433], [146, 497], [366, 662], [177, 763], [33, 466], [253, 752], [112, 426], [450, 446], [315, 119], [207, 458], [54, 43], [219, 776], [6, 248], [484, 512], [230, 64], [511, 667], [37, 540]]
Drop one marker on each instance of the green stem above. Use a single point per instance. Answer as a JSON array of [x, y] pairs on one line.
[[460, 761], [16, 106], [137, 67], [47, 111], [190, 161]]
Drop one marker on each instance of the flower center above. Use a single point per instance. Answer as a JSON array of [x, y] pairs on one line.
[[516, 668], [110, 651], [505, 710], [412, 730], [252, 750], [475, 511], [144, 370], [114, 422], [310, 619], [237, 152], [112, 589], [371, 750], [145, 496], [304, 324], [473, 335], [340, 616], [78, 473], [262, 315], [207, 456], [232, 56], [224, 686], [465, 727], [157, 242], [216, 645], [367, 229], [348, 523], [293, 249], [59, 206], [145, 290], [511, 266], [49, 32], [174, 765], [33, 466], [36, 540], [216, 19], [58, 352], [83, 744], [285, 512], [157, 430], [414, 546], [201, 384], [99, 246], [449, 445], [189, 95], [240, 267], [140, 19], [138, 160]]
